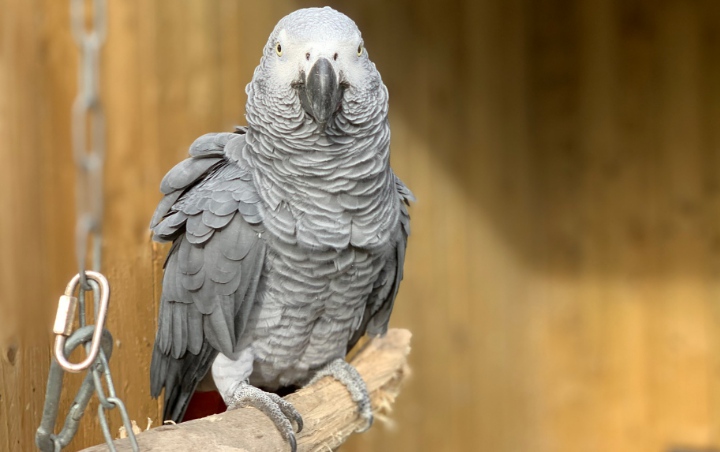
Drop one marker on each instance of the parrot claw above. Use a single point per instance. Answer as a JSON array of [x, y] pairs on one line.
[[279, 410], [346, 374]]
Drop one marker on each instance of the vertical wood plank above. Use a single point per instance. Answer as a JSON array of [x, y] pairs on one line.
[[709, 73], [680, 328], [35, 60]]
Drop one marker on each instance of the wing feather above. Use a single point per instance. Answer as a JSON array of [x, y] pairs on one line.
[[377, 312], [212, 271], [194, 321], [185, 173]]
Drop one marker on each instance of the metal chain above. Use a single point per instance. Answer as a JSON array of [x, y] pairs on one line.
[[89, 155], [87, 108]]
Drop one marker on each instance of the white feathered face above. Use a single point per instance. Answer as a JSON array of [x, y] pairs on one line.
[[317, 55]]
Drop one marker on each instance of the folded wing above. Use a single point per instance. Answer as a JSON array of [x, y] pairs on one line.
[[210, 213]]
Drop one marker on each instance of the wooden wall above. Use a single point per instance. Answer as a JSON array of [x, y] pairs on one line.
[[563, 276]]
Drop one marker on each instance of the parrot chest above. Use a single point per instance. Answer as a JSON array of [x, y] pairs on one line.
[[329, 231], [310, 305]]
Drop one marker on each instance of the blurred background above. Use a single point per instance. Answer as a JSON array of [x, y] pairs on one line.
[[563, 274]]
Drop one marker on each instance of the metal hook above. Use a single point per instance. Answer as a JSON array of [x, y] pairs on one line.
[[67, 305], [44, 437]]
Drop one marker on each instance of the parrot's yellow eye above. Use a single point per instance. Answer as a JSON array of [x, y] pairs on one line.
[[360, 50], [278, 49]]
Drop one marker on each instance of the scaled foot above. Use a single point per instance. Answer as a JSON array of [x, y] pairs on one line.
[[279, 410], [346, 374]]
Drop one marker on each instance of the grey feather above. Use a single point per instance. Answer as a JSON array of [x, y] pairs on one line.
[[216, 221], [199, 239], [222, 208], [197, 227], [210, 144], [194, 281], [162, 209], [194, 270], [190, 258], [185, 173], [218, 331], [288, 236], [180, 330], [194, 321]]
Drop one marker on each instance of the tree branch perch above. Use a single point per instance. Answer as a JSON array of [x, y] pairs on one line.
[[329, 415]]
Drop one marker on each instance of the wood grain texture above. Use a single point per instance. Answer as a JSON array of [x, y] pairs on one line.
[[329, 415], [563, 276]]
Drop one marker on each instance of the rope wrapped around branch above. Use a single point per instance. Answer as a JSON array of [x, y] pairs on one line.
[[329, 415]]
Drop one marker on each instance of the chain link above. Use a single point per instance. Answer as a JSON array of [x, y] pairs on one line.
[[88, 143], [88, 110]]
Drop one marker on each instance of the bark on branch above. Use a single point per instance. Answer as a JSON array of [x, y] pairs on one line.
[[330, 416]]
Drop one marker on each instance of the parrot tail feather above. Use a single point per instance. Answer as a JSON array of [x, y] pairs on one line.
[[182, 375]]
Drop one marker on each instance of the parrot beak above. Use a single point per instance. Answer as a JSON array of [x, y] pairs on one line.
[[321, 94]]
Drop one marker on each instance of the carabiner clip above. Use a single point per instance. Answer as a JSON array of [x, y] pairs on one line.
[[67, 306]]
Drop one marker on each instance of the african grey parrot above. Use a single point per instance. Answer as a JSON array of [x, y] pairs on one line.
[[288, 235]]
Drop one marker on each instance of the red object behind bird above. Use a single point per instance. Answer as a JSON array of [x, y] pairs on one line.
[[204, 403]]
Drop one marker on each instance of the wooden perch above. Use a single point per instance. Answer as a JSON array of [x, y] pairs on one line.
[[330, 416]]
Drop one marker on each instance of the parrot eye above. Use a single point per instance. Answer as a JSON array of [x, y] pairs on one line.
[[278, 49], [360, 50]]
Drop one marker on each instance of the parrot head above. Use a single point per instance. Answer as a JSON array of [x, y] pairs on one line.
[[315, 61]]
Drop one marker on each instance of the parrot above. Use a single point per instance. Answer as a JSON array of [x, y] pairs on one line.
[[288, 235]]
